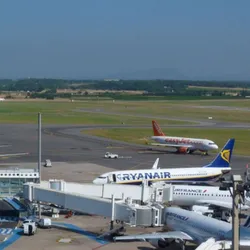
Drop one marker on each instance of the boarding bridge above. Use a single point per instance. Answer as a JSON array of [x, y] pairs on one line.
[[144, 194], [119, 202]]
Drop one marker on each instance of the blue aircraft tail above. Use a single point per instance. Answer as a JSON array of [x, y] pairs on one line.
[[247, 222], [223, 159]]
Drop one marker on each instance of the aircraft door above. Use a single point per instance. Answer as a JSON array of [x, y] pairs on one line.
[[112, 178]]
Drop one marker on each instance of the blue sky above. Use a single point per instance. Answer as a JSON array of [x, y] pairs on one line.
[[89, 38]]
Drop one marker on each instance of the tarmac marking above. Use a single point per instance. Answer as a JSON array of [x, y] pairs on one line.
[[15, 236], [114, 147], [5, 231], [79, 230]]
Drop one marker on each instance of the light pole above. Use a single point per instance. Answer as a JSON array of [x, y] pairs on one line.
[[235, 182], [39, 157]]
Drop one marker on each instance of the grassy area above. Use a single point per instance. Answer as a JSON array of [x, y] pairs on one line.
[[175, 109], [227, 103], [65, 113], [215, 88], [220, 136], [68, 112]]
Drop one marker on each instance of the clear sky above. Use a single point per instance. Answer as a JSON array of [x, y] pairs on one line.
[[105, 38]]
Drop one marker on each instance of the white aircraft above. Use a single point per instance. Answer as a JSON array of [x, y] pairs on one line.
[[187, 226], [209, 200], [182, 144], [219, 166]]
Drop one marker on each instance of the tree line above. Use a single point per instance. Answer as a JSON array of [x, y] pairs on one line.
[[44, 87]]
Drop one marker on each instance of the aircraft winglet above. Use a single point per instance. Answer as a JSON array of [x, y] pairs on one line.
[[155, 166]]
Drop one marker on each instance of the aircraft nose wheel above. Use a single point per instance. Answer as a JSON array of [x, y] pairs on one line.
[[183, 247]]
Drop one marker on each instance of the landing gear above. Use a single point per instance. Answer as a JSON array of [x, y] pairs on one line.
[[204, 152], [189, 151], [181, 243]]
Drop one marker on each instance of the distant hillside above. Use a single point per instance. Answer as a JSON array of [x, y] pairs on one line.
[[151, 74]]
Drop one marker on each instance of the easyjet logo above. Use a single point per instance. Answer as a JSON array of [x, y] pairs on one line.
[[185, 141], [225, 155]]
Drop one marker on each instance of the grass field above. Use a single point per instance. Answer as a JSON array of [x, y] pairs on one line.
[[184, 109], [129, 113], [215, 88], [139, 136], [66, 112]]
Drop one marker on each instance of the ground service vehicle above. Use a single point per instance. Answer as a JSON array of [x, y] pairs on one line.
[[111, 156]]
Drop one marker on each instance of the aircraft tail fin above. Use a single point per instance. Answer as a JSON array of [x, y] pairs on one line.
[[247, 222], [157, 130], [223, 159], [155, 166]]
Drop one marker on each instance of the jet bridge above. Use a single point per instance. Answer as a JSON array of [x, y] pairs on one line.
[[119, 202]]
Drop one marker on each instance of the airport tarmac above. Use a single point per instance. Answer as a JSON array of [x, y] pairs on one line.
[[67, 144], [80, 158], [49, 238]]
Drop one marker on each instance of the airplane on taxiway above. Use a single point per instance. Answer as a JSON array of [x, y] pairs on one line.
[[218, 167], [182, 144], [188, 226]]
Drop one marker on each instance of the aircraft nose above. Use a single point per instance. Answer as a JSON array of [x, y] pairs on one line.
[[99, 181], [216, 146], [96, 181]]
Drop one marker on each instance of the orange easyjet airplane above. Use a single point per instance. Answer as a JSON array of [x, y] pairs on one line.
[[182, 144]]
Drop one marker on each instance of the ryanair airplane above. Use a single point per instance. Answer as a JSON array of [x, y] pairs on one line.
[[219, 166]]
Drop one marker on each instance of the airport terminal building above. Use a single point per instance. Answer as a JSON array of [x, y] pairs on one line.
[[12, 180]]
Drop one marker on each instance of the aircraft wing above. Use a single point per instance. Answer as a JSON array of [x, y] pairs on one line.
[[172, 145], [15, 154], [221, 204], [167, 235], [191, 182]]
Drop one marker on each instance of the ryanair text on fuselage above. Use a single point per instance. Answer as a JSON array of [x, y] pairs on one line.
[[143, 176]]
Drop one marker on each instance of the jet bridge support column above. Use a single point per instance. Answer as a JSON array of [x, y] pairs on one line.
[[112, 213]]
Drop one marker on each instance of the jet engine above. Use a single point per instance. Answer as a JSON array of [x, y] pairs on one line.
[[159, 243], [185, 150]]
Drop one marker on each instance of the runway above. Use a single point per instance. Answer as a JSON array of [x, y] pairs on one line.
[[65, 143], [197, 123]]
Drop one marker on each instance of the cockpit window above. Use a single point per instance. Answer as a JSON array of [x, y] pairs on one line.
[[102, 177], [211, 143]]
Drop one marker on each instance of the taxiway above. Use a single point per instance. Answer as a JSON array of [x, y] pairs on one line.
[[66, 143]]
